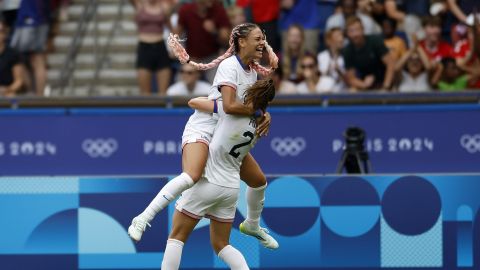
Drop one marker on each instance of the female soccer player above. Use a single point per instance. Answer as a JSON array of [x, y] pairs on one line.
[[215, 195], [237, 70]]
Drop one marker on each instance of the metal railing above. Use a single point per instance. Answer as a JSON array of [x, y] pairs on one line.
[[66, 74], [321, 101], [101, 59]]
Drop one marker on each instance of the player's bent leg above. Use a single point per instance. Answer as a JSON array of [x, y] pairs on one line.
[[253, 176], [219, 237], [251, 173], [194, 158], [182, 226]]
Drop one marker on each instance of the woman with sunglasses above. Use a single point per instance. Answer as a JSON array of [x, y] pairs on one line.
[[189, 83], [237, 70], [313, 81]]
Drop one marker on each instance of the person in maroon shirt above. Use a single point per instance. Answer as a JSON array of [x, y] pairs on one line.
[[207, 29]]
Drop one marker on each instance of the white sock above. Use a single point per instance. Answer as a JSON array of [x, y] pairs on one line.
[[168, 193], [233, 258], [172, 255], [255, 200]]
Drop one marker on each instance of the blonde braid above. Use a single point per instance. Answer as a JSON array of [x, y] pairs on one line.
[[184, 58], [182, 55]]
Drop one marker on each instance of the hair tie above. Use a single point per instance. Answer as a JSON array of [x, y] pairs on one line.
[[215, 106]]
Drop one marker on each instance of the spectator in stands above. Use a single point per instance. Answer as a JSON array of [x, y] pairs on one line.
[[304, 13], [207, 29], [10, 66], [463, 9], [367, 8], [61, 8], [236, 15], [152, 17], [9, 10], [58, 15], [293, 50], [330, 61], [313, 81], [394, 43], [468, 57], [408, 13], [283, 87], [452, 77], [30, 39], [368, 62], [414, 71], [265, 13], [378, 11], [433, 45], [459, 38], [348, 8], [189, 83]]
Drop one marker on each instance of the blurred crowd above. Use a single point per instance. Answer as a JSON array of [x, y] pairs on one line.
[[26, 32], [329, 46]]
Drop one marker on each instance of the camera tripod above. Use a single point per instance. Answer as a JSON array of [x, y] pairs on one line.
[[354, 157]]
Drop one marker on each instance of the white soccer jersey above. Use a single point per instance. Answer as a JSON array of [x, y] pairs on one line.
[[233, 138], [230, 72], [200, 125]]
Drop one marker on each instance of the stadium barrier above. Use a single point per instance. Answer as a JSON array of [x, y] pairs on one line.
[[429, 138], [321, 222]]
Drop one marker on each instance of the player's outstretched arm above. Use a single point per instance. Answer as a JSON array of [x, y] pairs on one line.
[[202, 104]]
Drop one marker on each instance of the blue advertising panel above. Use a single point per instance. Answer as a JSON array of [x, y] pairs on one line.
[[320, 222], [400, 139]]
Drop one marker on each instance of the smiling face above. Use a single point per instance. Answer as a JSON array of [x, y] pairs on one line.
[[252, 46]]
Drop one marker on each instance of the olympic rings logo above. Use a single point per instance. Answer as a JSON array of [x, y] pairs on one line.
[[288, 146], [471, 143], [100, 147]]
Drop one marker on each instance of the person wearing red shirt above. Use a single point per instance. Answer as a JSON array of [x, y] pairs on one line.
[[207, 29], [467, 59], [435, 48], [265, 13]]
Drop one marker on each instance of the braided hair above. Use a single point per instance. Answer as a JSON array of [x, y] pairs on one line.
[[240, 31]]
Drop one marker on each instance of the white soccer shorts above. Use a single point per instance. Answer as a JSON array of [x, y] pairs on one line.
[[208, 200], [199, 128]]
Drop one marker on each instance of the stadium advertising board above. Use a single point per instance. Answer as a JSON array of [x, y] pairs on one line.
[[324, 222]]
